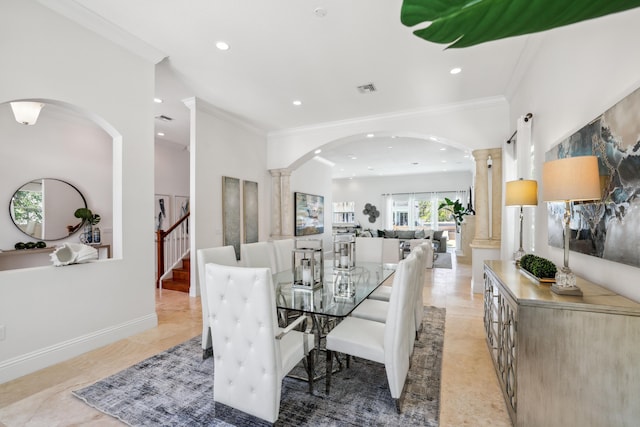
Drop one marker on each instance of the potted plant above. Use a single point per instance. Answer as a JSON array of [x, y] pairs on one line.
[[89, 219], [458, 211]]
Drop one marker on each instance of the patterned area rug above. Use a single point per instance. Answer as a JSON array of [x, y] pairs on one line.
[[175, 388], [443, 260]]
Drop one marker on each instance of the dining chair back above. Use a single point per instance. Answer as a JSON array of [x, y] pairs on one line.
[[369, 249], [391, 251], [225, 255], [258, 255], [283, 250], [252, 355]]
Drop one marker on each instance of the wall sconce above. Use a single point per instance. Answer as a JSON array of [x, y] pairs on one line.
[[569, 180], [25, 112], [523, 192]]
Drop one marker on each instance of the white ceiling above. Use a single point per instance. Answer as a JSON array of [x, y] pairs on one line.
[[281, 51]]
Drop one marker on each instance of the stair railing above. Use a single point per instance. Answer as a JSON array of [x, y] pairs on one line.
[[171, 246]]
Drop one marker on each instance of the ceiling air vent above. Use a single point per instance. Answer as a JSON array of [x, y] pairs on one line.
[[164, 118], [368, 88]]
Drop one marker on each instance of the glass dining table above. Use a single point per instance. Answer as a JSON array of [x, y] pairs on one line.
[[340, 293]]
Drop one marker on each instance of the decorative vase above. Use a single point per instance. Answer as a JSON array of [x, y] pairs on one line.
[[87, 233]]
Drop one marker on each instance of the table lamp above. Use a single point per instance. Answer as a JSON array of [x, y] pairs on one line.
[[569, 180], [523, 192]]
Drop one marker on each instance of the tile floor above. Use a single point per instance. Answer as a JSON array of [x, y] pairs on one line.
[[470, 395]]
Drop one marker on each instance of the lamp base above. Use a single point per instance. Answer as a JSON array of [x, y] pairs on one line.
[[517, 255], [565, 283]]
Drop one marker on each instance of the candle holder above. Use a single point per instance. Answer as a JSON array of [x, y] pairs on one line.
[[344, 286], [307, 264], [344, 252]]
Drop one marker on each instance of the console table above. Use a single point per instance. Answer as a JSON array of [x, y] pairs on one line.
[[37, 257], [562, 360]]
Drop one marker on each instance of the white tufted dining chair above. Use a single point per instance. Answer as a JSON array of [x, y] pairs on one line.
[[225, 255], [258, 255], [369, 249], [252, 355], [387, 342], [283, 250]]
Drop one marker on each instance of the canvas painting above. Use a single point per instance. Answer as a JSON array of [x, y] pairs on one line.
[[181, 208], [610, 228], [250, 211], [231, 213], [162, 212]]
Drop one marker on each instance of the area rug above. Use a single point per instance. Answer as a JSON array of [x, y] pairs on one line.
[[443, 260], [175, 388]]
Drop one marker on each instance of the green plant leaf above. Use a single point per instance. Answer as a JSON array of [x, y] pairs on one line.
[[469, 22]]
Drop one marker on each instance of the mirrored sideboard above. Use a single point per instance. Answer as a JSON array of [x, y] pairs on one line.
[[562, 360]]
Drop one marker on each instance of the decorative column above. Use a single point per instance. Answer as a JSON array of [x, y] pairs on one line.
[[496, 193], [281, 204], [482, 196], [484, 245]]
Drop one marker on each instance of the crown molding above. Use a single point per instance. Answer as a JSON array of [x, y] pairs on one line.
[[79, 14]]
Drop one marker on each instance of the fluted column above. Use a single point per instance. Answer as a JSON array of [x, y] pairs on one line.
[[276, 196], [281, 204], [286, 204], [481, 196], [496, 193]]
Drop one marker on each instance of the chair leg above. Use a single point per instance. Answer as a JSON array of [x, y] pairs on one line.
[[311, 370], [397, 402], [327, 378], [207, 353]]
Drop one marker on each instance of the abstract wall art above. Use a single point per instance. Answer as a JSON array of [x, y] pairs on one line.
[[610, 228], [231, 213], [250, 211]]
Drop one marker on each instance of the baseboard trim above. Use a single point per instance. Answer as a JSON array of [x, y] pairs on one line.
[[30, 362]]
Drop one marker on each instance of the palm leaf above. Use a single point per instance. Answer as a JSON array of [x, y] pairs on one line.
[[469, 22]]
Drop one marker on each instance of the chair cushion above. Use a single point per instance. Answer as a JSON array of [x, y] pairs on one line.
[[383, 293], [405, 234], [390, 233], [359, 337], [372, 309], [420, 234]]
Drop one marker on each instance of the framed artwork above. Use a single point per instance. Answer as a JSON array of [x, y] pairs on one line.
[[231, 213], [608, 228], [309, 214], [162, 212], [181, 208], [250, 211]]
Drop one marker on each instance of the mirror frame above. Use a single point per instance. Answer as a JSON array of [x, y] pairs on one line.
[[43, 239]]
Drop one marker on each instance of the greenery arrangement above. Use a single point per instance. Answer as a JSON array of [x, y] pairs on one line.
[[538, 266], [466, 23], [458, 212], [86, 215]]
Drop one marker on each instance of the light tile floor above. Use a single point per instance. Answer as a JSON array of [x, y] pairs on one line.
[[470, 395]]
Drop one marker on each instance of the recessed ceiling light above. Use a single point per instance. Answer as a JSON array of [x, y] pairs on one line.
[[443, 149], [297, 103], [394, 136], [390, 147], [354, 158], [160, 134], [443, 161], [157, 100], [466, 156], [370, 135], [320, 12], [369, 168], [455, 70], [222, 45], [318, 151]]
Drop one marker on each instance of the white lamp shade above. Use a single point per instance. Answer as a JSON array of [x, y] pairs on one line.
[[571, 179], [523, 192], [26, 113]]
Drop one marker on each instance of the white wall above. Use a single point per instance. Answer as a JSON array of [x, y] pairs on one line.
[[579, 72], [314, 177], [222, 145], [371, 190], [53, 313], [171, 172]]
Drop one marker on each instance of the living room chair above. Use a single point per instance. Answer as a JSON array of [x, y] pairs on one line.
[[252, 354], [258, 255], [386, 343], [225, 255]]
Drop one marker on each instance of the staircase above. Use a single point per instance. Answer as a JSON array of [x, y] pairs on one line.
[[181, 277]]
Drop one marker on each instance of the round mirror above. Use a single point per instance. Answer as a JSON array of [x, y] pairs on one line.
[[43, 209]]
